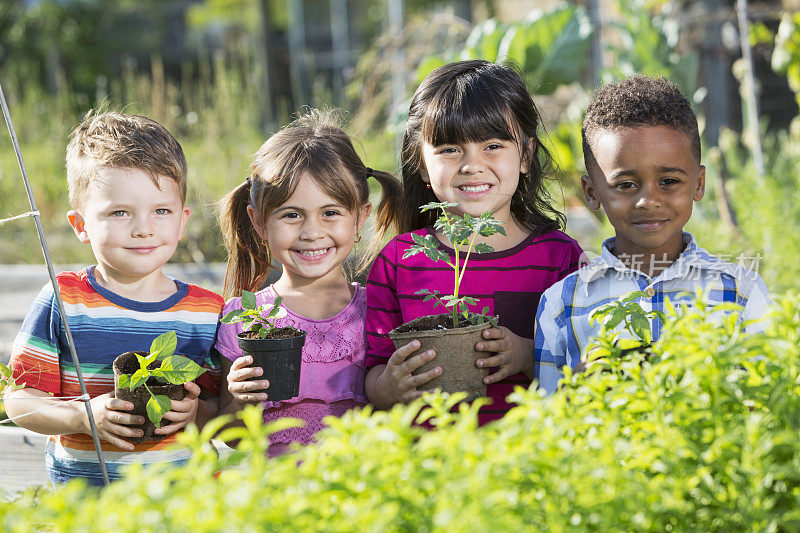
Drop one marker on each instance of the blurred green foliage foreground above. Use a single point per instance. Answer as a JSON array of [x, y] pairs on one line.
[[702, 437]]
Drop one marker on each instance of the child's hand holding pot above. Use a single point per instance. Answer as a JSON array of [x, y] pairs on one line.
[[395, 383], [512, 354], [239, 384], [183, 412]]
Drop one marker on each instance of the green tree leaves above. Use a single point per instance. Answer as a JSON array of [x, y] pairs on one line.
[[551, 47]]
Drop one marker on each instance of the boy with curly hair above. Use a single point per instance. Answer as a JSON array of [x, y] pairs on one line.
[[127, 186], [641, 148]]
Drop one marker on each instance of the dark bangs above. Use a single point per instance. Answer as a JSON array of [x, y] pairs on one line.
[[466, 111]]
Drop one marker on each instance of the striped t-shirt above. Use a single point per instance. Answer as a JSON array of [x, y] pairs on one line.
[[508, 282], [104, 325]]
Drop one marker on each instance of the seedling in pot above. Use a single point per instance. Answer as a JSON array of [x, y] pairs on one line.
[[461, 231], [258, 320], [175, 369], [626, 310]]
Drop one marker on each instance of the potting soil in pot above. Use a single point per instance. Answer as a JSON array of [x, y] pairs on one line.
[[127, 363]]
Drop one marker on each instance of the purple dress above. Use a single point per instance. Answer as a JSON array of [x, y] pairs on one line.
[[332, 369]]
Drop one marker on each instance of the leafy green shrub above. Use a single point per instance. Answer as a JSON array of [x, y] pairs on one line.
[[701, 438]]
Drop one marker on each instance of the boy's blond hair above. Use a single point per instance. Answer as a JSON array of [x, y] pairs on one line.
[[117, 140]]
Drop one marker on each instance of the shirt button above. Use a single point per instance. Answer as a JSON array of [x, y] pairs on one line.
[[650, 291]]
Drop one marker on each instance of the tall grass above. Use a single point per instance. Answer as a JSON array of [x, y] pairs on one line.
[[212, 110]]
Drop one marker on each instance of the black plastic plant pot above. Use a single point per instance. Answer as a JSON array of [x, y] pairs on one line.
[[280, 360], [127, 363]]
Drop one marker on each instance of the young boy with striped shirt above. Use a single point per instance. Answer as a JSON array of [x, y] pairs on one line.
[[127, 186], [641, 147]]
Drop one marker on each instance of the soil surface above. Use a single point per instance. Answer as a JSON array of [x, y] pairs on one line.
[[276, 333], [428, 323]]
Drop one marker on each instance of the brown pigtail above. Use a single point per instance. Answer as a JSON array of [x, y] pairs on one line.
[[386, 216], [248, 257]]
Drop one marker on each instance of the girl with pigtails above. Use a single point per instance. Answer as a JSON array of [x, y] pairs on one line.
[[303, 205]]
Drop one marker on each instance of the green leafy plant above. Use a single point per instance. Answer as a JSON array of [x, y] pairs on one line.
[[258, 319], [705, 439], [626, 310], [461, 231], [551, 46], [175, 369]]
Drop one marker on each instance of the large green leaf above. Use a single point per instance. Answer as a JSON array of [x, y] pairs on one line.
[[233, 316], [248, 300], [164, 344], [641, 326], [157, 406], [484, 40], [178, 369], [138, 377], [551, 47], [124, 381]]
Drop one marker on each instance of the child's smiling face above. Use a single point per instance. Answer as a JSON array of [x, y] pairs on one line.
[[132, 224], [646, 179], [479, 176], [310, 234]]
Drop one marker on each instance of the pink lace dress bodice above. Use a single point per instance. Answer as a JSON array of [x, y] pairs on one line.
[[331, 372]]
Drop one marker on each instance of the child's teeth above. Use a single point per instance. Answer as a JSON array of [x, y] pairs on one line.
[[474, 188], [313, 252]]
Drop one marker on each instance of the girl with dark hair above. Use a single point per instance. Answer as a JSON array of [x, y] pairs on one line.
[[471, 138], [303, 205]]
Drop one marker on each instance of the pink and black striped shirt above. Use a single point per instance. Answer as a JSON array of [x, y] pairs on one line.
[[508, 282]]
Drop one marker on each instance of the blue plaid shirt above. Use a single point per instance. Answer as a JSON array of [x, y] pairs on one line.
[[562, 319]]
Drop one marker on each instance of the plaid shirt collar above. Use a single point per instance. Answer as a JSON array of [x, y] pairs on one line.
[[692, 257]]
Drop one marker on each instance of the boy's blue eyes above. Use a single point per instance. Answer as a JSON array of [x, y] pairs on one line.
[[121, 213]]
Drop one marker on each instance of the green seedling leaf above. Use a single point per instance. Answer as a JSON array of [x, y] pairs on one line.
[[233, 316], [633, 295], [450, 301], [460, 230], [164, 344], [145, 361], [437, 205], [423, 291], [641, 326], [124, 381], [248, 300], [178, 369], [617, 316], [157, 406], [661, 315], [138, 377]]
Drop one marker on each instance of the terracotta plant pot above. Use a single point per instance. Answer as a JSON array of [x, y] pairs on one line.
[[280, 359], [455, 352], [127, 363]]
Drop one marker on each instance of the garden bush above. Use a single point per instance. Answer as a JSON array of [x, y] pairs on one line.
[[703, 436]]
